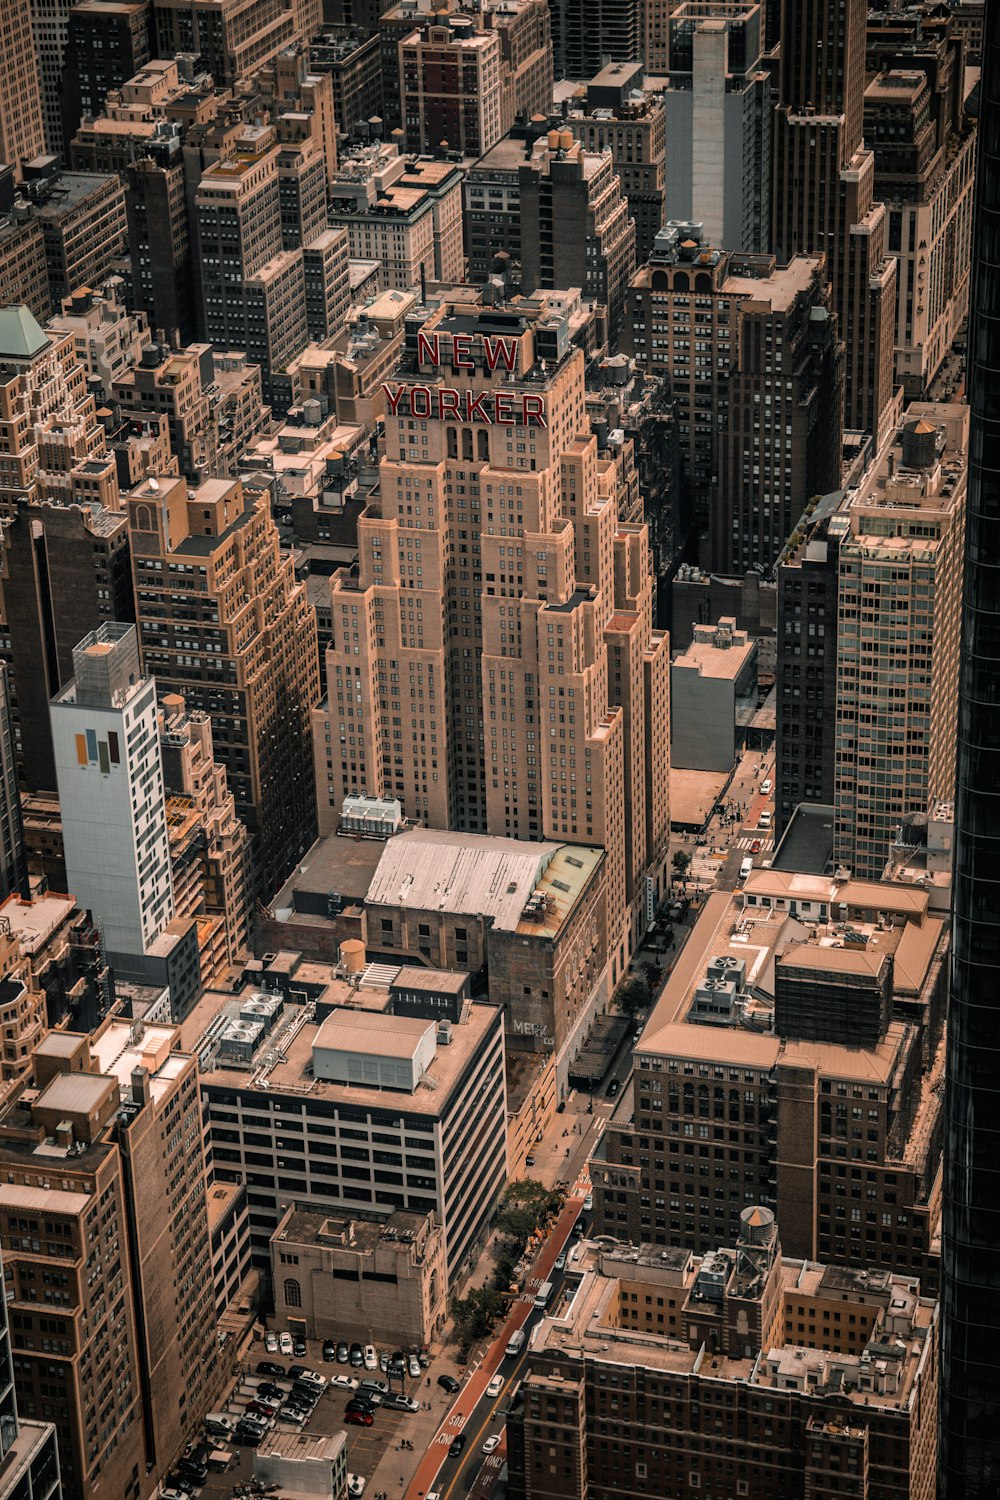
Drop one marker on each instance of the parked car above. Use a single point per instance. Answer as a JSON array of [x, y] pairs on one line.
[[263, 1409], [374, 1387], [496, 1384], [271, 1343], [560, 1263], [356, 1356], [268, 1390], [614, 1088], [396, 1401], [588, 1203], [299, 1346], [329, 1351], [343, 1353], [449, 1383], [360, 1402], [359, 1418], [397, 1363], [269, 1367], [766, 785], [529, 1160], [383, 1362], [457, 1446], [371, 1357], [492, 1443], [355, 1485], [311, 1377], [285, 1344], [413, 1365], [344, 1382], [296, 1417]]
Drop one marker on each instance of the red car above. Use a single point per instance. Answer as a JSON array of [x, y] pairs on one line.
[[359, 1418], [755, 847]]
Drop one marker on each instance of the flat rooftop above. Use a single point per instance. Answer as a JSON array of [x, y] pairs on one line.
[[470, 874], [359, 1234], [343, 865], [34, 921], [779, 290], [293, 1047], [807, 843]]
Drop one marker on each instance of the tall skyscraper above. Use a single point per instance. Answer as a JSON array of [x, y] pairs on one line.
[[110, 779], [22, 133], [529, 686], [970, 1411], [822, 193], [576, 229], [13, 869], [29, 1458], [102, 1151], [900, 570], [67, 571], [224, 623], [718, 122]]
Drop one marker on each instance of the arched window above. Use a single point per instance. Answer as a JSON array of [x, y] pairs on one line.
[[703, 282], [293, 1293], [681, 282], [144, 518]]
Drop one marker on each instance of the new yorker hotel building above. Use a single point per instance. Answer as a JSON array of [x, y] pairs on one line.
[[493, 663]]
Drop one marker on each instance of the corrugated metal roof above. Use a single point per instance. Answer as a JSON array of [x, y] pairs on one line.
[[431, 870]]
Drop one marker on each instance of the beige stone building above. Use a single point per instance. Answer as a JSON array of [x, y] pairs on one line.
[[22, 130], [224, 624], [335, 1277], [234, 36], [209, 846], [404, 212], [900, 583], [494, 664], [105, 1152], [737, 1097], [737, 1372]]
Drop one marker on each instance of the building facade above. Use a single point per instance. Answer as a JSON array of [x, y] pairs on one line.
[[110, 781], [900, 570], [787, 1357], [823, 195], [717, 111], [485, 652], [224, 624]]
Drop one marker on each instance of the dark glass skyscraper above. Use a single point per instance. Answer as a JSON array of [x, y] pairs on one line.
[[970, 1353]]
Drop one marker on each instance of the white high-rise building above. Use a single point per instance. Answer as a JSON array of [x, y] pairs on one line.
[[110, 777]]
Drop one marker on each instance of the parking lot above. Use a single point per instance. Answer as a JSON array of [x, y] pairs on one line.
[[366, 1446]]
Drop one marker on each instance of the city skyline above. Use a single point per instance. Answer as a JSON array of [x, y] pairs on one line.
[[496, 776]]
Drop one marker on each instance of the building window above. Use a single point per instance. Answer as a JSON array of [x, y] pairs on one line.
[[293, 1293]]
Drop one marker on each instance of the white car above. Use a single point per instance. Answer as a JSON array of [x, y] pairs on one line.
[[356, 1485], [492, 1443], [766, 785], [312, 1378], [495, 1386], [285, 1344], [343, 1382], [413, 1364], [588, 1203], [271, 1343], [371, 1357]]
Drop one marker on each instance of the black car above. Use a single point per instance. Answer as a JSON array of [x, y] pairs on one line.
[[356, 1405], [397, 1363], [249, 1437], [268, 1391], [298, 1346], [457, 1446], [197, 1472], [269, 1367], [449, 1383], [356, 1356], [329, 1351], [343, 1354], [613, 1087]]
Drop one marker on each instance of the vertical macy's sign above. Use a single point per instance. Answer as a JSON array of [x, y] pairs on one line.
[[448, 404]]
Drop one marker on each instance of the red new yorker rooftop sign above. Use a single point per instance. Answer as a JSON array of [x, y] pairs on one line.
[[448, 404]]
